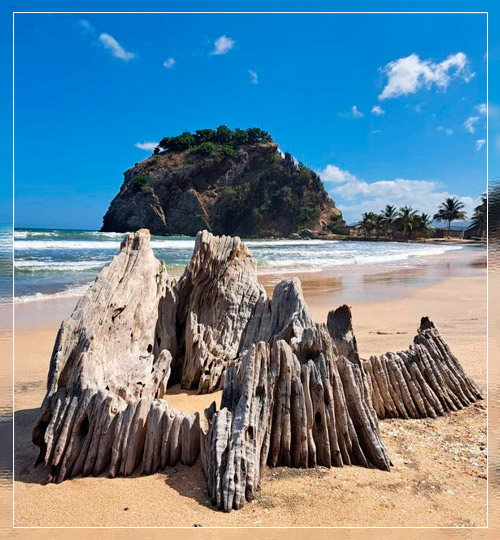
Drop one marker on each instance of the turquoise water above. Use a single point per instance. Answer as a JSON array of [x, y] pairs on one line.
[[54, 263]]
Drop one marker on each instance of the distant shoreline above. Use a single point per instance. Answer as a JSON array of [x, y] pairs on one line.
[[295, 236]]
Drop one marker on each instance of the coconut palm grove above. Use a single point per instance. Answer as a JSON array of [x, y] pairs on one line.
[[407, 223]]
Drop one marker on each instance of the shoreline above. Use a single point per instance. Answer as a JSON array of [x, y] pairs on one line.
[[334, 286], [438, 463], [294, 236]]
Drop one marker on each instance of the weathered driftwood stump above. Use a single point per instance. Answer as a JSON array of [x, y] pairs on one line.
[[295, 393], [217, 295], [426, 380], [290, 400], [105, 383]]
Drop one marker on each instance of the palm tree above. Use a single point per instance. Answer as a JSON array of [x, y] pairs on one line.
[[406, 219], [368, 222], [450, 210], [480, 217], [378, 223], [423, 224], [389, 215]]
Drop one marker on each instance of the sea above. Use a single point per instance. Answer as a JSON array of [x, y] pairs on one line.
[[54, 263]]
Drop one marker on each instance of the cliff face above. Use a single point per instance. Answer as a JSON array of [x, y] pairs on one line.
[[254, 192]]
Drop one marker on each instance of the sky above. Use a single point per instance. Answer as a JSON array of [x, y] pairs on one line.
[[387, 108]]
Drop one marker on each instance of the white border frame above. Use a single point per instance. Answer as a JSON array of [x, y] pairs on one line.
[[14, 13]]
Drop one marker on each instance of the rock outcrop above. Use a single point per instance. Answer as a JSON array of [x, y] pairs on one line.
[[254, 193], [295, 393]]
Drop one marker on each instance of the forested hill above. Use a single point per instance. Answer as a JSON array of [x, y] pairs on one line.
[[227, 181]]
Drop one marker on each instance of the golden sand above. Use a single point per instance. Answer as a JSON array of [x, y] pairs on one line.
[[439, 466]]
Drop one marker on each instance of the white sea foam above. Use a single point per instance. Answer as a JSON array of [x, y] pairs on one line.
[[332, 259], [107, 234], [40, 245], [78, 290], [273, 243], [53, 266], [34, 234]]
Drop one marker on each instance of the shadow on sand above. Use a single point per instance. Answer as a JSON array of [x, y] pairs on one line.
[[187, 481]]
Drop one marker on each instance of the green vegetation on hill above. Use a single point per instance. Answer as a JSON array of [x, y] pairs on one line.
[[204, 141], [287, 193], [141, 183]]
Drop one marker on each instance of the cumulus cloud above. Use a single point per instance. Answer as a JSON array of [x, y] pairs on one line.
[[353, 113], [332, 173], [223, 45], [148, 145], [110, 43], [409, 74], [355, 196], [169, 63], [253, 76], [377, 110], [470, 123], [480, 143]]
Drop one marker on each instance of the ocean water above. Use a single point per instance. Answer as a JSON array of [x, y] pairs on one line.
[[57, 263], [5, 263]]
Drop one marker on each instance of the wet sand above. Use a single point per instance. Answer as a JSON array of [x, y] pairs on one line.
[[439, 466]]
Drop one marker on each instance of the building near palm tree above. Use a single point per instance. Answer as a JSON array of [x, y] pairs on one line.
[[458, 229]]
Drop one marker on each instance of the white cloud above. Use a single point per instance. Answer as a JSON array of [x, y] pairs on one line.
[[480, 143], [332, 173], [355, 196], [375, 131], [110, 43], [353, 113], [86, 25], [482, 108], [410, 74], [470, 123], [148, 145], [223, 45], [377, 110], [169, 63], [253, 76]]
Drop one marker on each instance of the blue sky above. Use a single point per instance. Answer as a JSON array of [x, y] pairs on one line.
[[387, 108]]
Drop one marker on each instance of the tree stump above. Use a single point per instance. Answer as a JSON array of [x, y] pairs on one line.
[[295, 393], [424, 381], [105, 382], [289, 401]]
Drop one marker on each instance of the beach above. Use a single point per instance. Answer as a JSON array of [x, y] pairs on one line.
[[439, 473]]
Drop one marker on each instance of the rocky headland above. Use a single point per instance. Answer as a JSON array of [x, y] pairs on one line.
[[227, 182]]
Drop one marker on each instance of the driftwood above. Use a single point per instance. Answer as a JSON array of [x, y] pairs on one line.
[[217, 295], [105, 383], [295, 393], [424, 381], [290, 401]]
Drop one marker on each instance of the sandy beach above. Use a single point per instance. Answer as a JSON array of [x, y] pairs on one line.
[[439, 466]]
